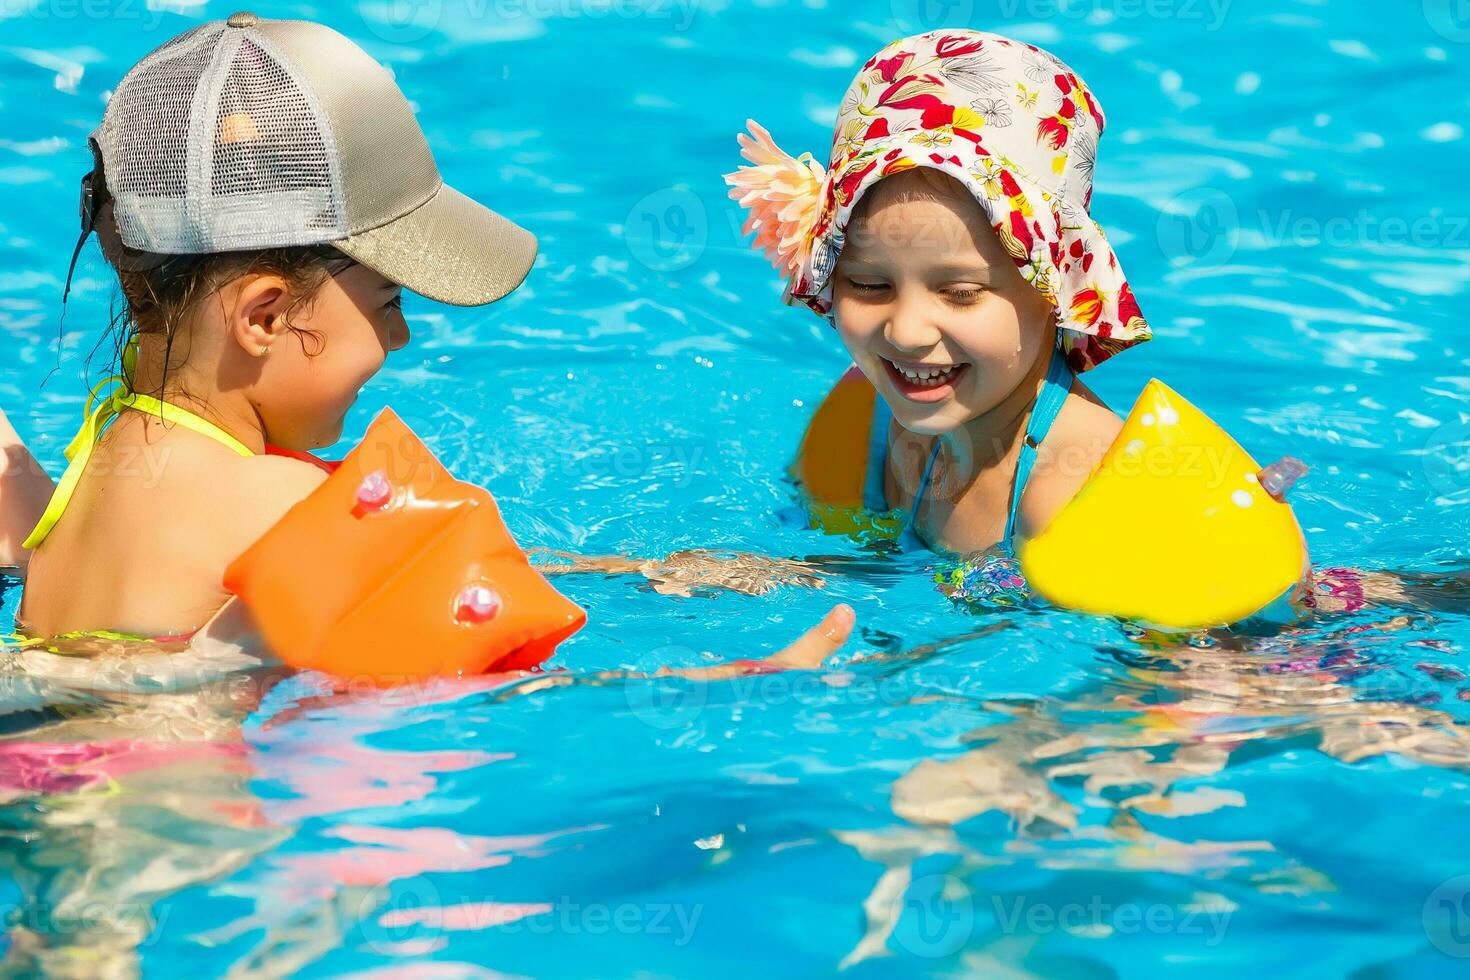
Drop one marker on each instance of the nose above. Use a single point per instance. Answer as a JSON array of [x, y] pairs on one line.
[[910, 329]]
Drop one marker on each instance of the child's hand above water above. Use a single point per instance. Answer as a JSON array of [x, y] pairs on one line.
[[807, 653]]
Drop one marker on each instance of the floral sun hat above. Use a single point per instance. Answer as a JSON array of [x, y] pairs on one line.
[[1005, 118]]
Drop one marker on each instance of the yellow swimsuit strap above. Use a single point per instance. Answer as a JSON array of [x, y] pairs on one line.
[[96, 421]]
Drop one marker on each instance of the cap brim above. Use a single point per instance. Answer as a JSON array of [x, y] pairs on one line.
[[450, 249]]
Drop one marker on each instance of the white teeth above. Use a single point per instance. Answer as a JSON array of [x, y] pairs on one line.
[[927, 376]]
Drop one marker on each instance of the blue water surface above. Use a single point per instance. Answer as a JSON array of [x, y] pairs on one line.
[[1010, 794]]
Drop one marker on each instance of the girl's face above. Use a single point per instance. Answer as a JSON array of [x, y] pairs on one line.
[[931, 307], [308, 381]]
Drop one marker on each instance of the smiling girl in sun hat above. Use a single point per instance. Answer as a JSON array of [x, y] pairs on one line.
[[949, 242]]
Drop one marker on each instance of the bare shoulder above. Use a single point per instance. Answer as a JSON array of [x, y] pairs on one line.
[[252, 494], [273, 484], [1077, 442]]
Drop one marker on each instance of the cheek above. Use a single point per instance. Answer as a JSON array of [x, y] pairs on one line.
[[857, 324], [998, 330]]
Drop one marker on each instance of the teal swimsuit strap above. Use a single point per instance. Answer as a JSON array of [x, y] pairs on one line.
[[875, 498], [910, 535], [1048, 406]]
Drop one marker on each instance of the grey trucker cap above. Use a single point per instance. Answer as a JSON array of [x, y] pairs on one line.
[[250, 133]]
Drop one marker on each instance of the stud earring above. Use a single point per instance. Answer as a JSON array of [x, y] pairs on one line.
[[265, 349]]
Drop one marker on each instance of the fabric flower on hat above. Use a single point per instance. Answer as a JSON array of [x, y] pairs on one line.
[[1006, 119]]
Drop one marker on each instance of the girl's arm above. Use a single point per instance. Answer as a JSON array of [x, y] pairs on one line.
[[24, 490], [683, 571], [232, 629]]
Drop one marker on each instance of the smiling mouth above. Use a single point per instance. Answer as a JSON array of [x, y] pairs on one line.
[[923, 382]]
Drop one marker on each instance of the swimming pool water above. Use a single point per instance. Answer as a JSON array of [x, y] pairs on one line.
[[1018, 794]]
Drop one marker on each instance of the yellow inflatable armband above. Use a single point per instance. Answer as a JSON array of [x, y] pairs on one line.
[[1177, 527]]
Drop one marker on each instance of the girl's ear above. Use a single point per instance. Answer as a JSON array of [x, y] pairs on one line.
[[257, 320]]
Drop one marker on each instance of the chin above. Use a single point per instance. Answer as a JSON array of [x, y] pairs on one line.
[[937, 421], [330, 435]]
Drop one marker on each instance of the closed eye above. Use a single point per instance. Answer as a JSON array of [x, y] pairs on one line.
[[963, 296]]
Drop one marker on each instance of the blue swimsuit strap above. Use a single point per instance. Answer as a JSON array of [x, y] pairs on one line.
[[1049, 402], [1048, 406]]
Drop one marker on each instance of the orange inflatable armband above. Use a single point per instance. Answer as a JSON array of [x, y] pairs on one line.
[[832, 463], [395, 571]]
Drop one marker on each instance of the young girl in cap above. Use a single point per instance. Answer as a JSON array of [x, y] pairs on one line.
[[950, 244], [264, 194]]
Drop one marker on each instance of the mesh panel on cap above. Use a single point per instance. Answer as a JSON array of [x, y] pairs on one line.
[[271, 179], [144, 136], [211, 144]]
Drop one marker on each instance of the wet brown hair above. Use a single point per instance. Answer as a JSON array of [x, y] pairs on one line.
[[160, 293]]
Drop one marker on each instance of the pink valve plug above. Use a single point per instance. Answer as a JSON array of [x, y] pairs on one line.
[[476, 604], [374, 492], [1278, 478]]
